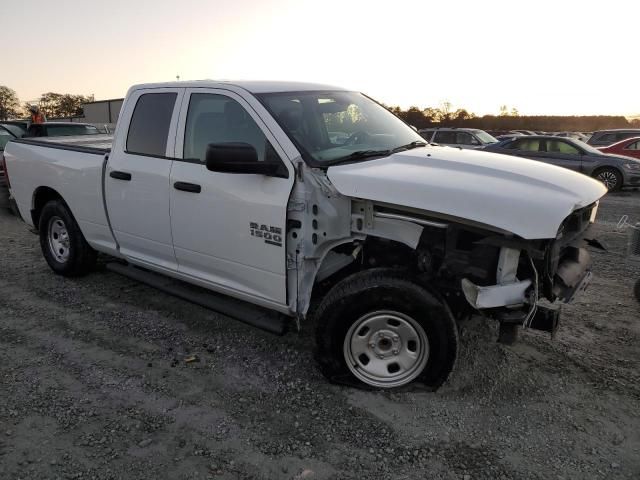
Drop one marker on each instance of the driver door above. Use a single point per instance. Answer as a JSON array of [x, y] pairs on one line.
[[228, 229]]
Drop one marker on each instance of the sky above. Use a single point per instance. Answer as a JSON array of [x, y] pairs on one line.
[[560, 57]]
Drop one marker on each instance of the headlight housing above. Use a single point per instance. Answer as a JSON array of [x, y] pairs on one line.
[[632, 166]]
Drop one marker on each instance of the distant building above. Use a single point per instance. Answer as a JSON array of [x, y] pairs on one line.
[[101, 113]]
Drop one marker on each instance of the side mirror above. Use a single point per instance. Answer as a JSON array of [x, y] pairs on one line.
[[240, 158]]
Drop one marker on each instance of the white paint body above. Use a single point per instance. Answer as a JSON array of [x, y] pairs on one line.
[[205, 239], [514, 195]]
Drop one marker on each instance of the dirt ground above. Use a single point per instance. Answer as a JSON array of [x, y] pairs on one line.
[[94, 384]]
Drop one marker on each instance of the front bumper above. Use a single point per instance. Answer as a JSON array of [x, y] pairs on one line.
[[573, 275], [631, 179]]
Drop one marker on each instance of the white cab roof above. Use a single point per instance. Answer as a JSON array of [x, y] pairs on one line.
[[253, 86]]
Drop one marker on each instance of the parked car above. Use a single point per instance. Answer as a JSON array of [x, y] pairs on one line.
[[604, 138], [615, 171], [526, 132], [238, 188], [6, 135], [23, 124], [458, 137], [16, 130], [61, 129], [508, 136], [629, 148], [574, 135]]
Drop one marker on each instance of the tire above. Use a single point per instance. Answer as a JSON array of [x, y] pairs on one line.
[[63, 245], [636, 290], [379, 329], [611, 178]]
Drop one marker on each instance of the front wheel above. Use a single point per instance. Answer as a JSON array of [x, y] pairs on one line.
[[382, 330], [611, 178], [636, 290], [63, 245]]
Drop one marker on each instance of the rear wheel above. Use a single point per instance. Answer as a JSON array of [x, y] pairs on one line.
[[611, 178], [636, 290], [63, 245], [377, 328]]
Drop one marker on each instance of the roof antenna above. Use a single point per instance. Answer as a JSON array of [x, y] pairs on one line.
[[177, 78]]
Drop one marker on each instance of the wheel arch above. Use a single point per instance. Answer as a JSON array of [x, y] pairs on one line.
[[41, 196], [615, 168]]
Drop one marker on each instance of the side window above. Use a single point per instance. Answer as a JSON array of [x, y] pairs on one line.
[[633, 146], [445, 137], [629, 135], [606, 138], [558, 146], [215, 118], [149, 128], [527, 145], [465, 138], [426, 134]]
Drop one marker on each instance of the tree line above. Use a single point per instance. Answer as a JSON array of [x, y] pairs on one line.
[[57, 105], [509, 119], [53, 105]]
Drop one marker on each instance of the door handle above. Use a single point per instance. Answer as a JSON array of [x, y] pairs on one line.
[[187, 187], [120, 175]]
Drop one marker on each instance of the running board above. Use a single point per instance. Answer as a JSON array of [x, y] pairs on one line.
[[258, 317]]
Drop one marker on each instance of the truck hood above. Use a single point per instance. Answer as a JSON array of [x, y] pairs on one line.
[[525, 197]]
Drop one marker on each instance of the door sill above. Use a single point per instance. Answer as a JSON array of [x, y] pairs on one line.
[[245, 312]]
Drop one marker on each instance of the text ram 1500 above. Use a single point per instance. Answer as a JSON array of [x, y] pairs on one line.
[[241, 189]]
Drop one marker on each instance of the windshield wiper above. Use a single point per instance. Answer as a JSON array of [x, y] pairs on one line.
[[360, 154], [409, 146]]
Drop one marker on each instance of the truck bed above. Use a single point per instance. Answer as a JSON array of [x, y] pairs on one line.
[[99, 144]]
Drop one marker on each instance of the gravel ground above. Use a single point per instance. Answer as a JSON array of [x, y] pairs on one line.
[[95, 383]]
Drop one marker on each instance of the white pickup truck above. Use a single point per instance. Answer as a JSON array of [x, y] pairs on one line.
[[280, 201]]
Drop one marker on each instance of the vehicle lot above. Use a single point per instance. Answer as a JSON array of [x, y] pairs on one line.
[[94, 383]]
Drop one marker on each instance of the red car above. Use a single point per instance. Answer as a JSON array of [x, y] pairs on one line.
[[629, 147]]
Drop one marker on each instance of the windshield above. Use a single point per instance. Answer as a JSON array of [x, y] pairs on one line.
[[333, 127], [586, 147], [15, 130], [5, 137], [485, 137]]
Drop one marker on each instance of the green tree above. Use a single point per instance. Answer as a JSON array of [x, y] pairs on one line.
[[56, 105], [9, 103]]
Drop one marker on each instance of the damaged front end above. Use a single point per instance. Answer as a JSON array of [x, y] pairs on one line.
[[528, 271]]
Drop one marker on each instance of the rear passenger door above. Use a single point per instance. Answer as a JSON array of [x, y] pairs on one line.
[[532, 148], [137, 177], [447, 138], [563, 154]]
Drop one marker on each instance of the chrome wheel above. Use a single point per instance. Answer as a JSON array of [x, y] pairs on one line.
[[386, 349], [609, 178], [58, 239]]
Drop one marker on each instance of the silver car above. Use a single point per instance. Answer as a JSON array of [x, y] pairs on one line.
[[615, 171], [458, 137]]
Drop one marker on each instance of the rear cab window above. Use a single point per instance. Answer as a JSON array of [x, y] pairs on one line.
[[150, 123]]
